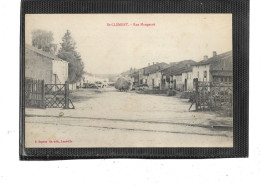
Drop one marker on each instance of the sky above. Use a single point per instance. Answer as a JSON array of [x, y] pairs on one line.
[[115, 49]]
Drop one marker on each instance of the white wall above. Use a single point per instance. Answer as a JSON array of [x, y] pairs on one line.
[[157, 79], [61, 69], [200, 69], [189, 77], [179, 82]]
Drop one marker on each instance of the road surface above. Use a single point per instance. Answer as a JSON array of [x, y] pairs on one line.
[[108, 118]]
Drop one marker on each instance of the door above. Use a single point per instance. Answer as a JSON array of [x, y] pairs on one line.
[[185, 85]]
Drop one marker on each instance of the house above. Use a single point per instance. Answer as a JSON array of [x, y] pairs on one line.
[[149, 76], [177, 78], [44, 66], [187, 79], [166, 80], [218, 68], [134, 79], [154, 79], [176, 70]]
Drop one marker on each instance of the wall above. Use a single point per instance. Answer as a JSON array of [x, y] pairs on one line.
[[165, 84], [38, 66], [61, 69], [189, 77], [179, 83], [200, 69], [157, 76]]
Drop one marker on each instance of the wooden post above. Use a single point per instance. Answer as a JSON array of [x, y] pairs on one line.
[[43, 94], [197, 93], [66, 95]]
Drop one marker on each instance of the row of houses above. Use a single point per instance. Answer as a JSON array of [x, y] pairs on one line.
[[181, 75]]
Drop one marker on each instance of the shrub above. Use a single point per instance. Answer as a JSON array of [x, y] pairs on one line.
[[171, 93]]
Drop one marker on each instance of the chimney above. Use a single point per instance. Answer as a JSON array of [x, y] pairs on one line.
[[205, 58], [148, 64], [214, 53], [153, 63], [157, 62]]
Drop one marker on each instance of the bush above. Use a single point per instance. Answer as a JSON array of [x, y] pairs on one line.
[[122, 84], [171, 93]]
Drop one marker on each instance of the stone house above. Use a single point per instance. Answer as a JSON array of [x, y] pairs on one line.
[[44, 66], [151, 69], [166, 77], [218, 68], [187, 79], [173, 78], [154, 79], [177, 80]]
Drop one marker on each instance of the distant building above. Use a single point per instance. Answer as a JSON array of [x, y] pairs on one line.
[[187, 79], [134, 79], [218, 68], [178, 77], [150, 75], [172, 76], [44, 66]]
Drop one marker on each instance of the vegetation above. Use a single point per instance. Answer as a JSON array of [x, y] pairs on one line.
[[43, 40], [122, 84], [68, 53]]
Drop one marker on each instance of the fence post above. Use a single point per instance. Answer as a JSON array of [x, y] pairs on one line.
[[66, 95], [197, 93], [43, 94]]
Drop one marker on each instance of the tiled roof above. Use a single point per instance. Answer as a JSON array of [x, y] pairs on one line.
[[216, 58], [155, 68], [178, 68], [43, 53], [135, 74], [177, 71]]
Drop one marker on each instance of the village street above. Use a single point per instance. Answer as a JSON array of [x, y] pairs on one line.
[[109, 118]]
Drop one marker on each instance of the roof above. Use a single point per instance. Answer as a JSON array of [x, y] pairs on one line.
[[179, 67], [155, 68], [135, 74], [169, 69], [183, 63], [179, 71], [43, 53], [216, 58], [222, 73]]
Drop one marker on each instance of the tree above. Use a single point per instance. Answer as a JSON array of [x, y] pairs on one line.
[[43, 40], [68, 53]]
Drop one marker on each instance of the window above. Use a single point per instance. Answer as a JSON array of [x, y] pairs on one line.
[[205, 74]]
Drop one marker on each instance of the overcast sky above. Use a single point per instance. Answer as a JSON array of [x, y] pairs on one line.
[[114, 49]]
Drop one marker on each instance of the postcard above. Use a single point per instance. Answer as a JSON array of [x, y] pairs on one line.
[[128, 80]]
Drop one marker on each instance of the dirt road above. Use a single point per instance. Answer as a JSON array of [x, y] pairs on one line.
[[108, 118]]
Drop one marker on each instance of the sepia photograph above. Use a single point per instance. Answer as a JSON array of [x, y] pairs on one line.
[[128, 80]]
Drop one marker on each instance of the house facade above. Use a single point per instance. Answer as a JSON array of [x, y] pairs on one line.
[[217, 69], [44, 66], [187, 80], [177, 81], [154, 80], [150, 75]]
